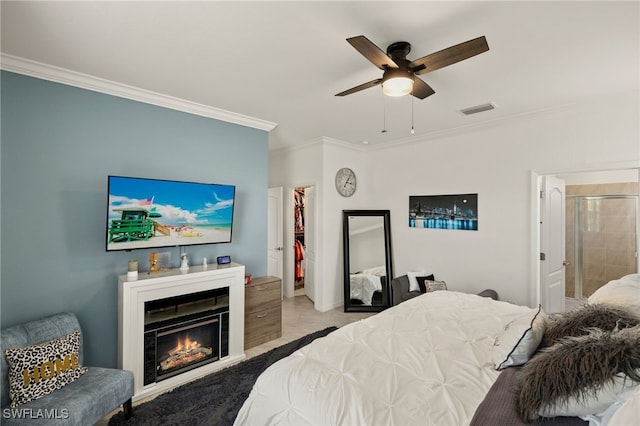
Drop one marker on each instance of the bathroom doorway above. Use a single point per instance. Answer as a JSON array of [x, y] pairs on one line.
[[601, 231]]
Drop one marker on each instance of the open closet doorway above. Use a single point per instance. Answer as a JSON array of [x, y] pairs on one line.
[[600, 234], [298, 243], [304, 241]]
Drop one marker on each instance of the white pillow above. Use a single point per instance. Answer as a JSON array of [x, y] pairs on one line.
[[413, 283], [519, 340], [627, 413], [592, 403], [624, 292]]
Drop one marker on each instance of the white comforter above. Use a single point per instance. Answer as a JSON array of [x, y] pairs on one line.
[[427, 361], [363, 286]]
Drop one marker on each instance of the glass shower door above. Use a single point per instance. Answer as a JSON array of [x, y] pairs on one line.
[[603, 241]]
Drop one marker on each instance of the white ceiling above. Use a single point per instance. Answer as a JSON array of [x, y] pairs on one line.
[[284, 61]]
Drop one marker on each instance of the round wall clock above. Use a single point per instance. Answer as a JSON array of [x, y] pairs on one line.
[[345, 182]]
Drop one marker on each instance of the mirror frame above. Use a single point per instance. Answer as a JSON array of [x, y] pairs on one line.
[[386, 216]]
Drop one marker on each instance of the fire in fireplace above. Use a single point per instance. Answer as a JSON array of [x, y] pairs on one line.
[[184, 333], [184, 353], [177, 349]]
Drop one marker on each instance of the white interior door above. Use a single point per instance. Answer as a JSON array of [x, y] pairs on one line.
[[274, 233], [552, 244], [310, 250]]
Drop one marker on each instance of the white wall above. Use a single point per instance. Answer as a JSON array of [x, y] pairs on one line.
[[496, 161], [299, 167], [336, 156], [315, 164]]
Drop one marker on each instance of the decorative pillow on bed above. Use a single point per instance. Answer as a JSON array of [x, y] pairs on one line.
[[432, 285], [413, 282], [38, 370], [624, 292], [499, 406], [519, 340], [627, 413], [578, 321], [580, 375], [422, 282]]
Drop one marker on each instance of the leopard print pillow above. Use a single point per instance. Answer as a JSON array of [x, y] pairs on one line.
[[38, 370], [435, 286]]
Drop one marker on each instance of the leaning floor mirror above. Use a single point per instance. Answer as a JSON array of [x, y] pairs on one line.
[[368, 268]]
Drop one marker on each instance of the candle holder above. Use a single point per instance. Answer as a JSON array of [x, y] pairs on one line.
[[132, 270]]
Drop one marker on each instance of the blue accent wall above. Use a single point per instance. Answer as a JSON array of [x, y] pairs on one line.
[[59, 143]]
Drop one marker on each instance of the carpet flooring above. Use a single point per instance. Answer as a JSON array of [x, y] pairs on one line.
[[214, 399]]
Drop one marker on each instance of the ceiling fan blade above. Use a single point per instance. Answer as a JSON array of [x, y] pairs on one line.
[[372, 52], [360, 87], [449, 56], [421, 89]]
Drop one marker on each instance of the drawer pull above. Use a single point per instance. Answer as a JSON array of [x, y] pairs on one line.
[[261, 315], [262, 287]]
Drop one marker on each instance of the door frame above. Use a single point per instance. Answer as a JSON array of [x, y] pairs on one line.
[[535, 234], [552, 268], [289, 238], [279, 222]]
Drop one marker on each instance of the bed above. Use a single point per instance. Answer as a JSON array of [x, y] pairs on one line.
[[368, 286], [363, 287], [435, 360]]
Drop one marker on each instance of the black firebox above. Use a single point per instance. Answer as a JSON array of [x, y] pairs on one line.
[[185, 332]]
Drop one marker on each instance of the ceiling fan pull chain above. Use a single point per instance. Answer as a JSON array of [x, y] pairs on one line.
[[384, 114], [412, 130]]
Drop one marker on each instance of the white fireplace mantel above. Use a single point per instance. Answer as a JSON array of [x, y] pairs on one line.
[[132, 294]]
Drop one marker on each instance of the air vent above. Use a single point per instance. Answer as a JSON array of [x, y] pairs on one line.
[[478, 108]]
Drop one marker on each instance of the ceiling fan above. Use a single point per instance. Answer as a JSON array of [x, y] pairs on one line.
[[399, 77]]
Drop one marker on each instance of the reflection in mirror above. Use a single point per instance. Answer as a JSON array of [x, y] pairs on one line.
[[367, 260]]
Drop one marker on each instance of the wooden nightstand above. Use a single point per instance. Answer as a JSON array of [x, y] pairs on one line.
[[263, 311]]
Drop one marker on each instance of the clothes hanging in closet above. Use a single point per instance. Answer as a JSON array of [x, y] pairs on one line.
[[299, 249], [298, 198]]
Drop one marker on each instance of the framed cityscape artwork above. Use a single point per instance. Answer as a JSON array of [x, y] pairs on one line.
[[457, 212]]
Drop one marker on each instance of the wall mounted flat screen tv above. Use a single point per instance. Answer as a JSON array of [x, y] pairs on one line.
[[151, 213]]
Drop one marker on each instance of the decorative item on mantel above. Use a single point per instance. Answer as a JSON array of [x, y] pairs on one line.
[[132, 270], [184, 262], [153, 262]]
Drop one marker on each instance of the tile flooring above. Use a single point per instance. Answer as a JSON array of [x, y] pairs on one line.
[[299, 318]]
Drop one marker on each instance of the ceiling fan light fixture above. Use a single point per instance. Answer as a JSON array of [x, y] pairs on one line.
[[397, 86]]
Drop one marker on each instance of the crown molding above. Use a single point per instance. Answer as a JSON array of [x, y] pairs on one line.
[[323, 140], [298, 147], [84, 81], [343, 144]]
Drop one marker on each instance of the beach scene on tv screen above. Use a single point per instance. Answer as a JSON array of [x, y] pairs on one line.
[[146, 213]]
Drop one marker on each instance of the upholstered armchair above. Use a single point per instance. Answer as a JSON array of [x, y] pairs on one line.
[[45, 382]]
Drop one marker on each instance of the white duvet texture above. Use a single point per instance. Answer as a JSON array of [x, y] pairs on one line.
[[363, 286], [427, 361]]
